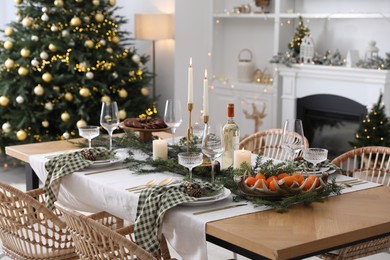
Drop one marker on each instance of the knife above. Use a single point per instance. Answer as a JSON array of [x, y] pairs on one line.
[[218, 209], [106, 170]]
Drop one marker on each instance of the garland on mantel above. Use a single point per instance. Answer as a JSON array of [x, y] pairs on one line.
[[224, 177], [327, 59]]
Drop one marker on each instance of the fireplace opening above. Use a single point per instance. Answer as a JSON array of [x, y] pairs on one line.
[[330, 121]]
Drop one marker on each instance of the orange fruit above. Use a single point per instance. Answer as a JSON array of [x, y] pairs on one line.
[[260, 176], [250, 181], [272, 184], [310, 180], [260, 185], [269, 179], [300, 179], [289, 180], [282, 175]]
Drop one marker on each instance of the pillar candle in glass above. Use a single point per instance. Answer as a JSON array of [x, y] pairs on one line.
[[160, 149], [241, 156]]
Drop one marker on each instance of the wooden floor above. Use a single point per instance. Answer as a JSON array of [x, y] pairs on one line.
[[15, 176]]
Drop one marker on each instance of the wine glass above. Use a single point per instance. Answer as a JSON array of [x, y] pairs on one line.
[[293, 137], [190, 160], [89, 132], [109, 118], [172, 115], [212, 144], [315, 155]]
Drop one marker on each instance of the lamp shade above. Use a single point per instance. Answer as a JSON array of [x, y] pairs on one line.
[[153, 26]]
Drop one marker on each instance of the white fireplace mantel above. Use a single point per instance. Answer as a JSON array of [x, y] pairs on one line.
[[360, 85]]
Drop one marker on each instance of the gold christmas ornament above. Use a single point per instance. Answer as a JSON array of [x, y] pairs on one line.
[[96, 2], [112, 2], [99, 17], [65, 116], [9, 31], [47, 77], [106, 99], [9, 63], [84, 92], [81, 123], [45, 124], [68, 96], [87, 19], [25, 52], [54, 28], [52, 47], [115, 39], [89, 44], [145, 91], [8, 45], [122, 93], [27, 22], [39, 90], [21, 135], [6, 127], [18, 2], [109, 50], [56, 88], [59, 3], [122, 114], [4, 101], [75, 21], [22, 71]]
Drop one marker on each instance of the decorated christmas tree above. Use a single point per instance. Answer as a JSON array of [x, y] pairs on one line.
[[374, 129], [59, 61], [295, 43]]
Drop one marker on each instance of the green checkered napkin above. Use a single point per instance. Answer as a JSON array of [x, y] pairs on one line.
[[64, 164], [152, 205]]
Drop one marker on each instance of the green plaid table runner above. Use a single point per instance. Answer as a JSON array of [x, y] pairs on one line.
[[152, 205], [64, 164]]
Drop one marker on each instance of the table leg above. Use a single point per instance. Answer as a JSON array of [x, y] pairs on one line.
[[32, 181]]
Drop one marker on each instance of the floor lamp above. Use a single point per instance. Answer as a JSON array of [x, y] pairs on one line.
[[153, 27]]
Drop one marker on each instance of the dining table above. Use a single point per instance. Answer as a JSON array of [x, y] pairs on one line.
[[360, 213]]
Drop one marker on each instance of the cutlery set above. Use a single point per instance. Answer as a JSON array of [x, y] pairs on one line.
[[219, 209], [165, 182], [352, 182]]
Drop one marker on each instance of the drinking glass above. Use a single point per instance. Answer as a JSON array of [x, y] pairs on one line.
[[292, 137], [89, 132], [190, 160], [173, 115], [212, 144], [315, 155], [109, 118]]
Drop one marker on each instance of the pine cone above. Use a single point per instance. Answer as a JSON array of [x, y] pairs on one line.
[[196, 193], [188, 186], [88, 155]]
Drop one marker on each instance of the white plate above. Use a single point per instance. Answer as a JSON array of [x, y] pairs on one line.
[[224, 195], [120, 155], [212, 197]]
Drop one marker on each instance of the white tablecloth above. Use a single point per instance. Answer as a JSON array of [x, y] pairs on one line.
[[106, 191]]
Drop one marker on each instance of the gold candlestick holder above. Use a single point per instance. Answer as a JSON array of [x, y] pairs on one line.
[[190, 106], [205, 120]]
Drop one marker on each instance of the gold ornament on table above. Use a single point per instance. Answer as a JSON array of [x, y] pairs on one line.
[[256, 115], [21, 135]]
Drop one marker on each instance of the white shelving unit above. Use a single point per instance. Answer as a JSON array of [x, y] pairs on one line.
[[334, 24]]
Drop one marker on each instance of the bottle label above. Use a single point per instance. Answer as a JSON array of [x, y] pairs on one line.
[[236, 142]]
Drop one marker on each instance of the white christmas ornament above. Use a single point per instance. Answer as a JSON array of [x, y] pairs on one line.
[[44, 55], [136, 58], [34, 62], [103, 42], [89, 75], [72, 43], [6, 127], [81, 123], [45, 17], [9, 31], [65, 33], [66, 135], [54, 28], [49, 106], [83, 65], [45, 124], [9, 63], [44, 9], [39, 90], [115, 75], [34, 38], [19, 99]]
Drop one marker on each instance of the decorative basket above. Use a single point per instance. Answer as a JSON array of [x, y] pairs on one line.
[[246, 68], [282, 190]]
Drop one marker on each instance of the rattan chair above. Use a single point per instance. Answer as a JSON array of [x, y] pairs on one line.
[[268, 143], [29, 230], [370, 163], [96, 241]]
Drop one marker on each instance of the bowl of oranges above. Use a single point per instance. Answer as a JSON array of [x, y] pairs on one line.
[[280, 185]]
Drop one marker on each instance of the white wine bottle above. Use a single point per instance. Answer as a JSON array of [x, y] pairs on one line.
[[231, 135]]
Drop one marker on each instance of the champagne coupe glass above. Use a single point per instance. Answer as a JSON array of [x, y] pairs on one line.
[[212, 144], [315, 155], [89, 132], [173, 115], [293, 137], [109, 118], [190, 160]]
